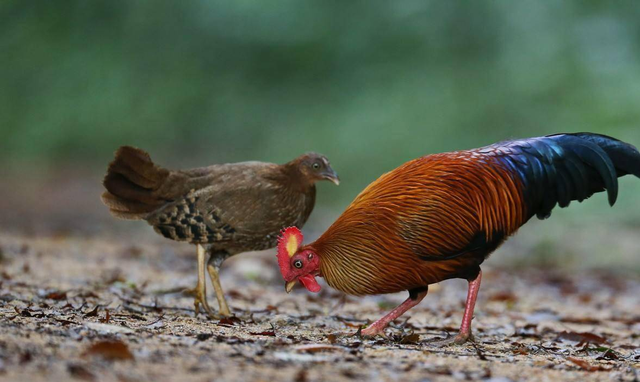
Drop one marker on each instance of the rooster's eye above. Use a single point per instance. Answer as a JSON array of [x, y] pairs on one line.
[[297, 264], [316, 166], [310, 256]]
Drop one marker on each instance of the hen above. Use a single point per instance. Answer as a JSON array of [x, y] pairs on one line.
[[229, 208], [440, 216]]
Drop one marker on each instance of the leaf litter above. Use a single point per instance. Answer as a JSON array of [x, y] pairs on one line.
[[542, 326]]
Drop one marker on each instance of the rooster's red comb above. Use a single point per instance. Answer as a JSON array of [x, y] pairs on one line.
[[288, 243]]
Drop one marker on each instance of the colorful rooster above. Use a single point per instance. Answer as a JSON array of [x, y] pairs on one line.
[[440, 216]]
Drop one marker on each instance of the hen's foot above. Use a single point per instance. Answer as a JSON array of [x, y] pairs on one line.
[[200, 298]]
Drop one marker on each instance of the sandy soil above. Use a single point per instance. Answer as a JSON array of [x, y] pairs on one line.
[[108, 310]]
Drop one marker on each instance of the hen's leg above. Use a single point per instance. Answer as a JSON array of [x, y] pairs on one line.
[[472, 294], [215, 260], [200, 291], [414, 299]]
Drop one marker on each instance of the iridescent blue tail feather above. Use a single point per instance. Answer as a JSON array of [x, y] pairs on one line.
[[557, 169]]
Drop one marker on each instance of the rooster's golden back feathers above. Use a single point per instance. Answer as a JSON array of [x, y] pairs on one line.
[[439, 216]]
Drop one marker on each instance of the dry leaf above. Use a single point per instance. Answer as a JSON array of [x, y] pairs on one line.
[[410, 339], [109, 350], [582, 337], [56, 295], [93, 313], [581, 320], [229, 321], [269, 333], [313, 348], [503, 297], [585, 365]]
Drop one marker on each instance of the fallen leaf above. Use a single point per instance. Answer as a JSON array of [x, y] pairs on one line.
[[332, 338], [580, 320], [56, 295], [412, 338], [503, 296], [585, 365], [520, 351], [109, 350], [229, 321], [93, 313], [581, 338], [269, 333], [316, 348]]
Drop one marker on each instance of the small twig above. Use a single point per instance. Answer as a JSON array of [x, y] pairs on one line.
[[478, 351], [152, 307]]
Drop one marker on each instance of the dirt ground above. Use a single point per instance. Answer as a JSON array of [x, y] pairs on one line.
[[110, 310]]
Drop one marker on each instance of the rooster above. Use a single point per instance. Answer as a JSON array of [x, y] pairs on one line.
[[229, 208], [440, 216]]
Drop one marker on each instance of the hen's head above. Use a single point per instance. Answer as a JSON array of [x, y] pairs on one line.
[[315, 167], [296, 263]]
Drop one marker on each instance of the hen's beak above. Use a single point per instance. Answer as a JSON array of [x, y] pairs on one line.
[[332, 176], [289, 286]]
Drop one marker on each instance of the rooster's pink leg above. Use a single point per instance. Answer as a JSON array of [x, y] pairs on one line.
[[472, 294], [378, 326]]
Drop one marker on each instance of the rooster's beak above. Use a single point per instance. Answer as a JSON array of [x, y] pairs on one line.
[[289, 286]]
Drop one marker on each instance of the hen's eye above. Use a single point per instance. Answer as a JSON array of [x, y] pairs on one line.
[[297, 264], [310, 256], [316, 166]]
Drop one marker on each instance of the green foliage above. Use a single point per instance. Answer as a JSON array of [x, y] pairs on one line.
[[370, 84]]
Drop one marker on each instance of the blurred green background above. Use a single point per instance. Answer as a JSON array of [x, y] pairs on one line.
[[370, 84]]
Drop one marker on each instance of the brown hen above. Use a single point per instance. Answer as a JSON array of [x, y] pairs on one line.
[[227, 208]]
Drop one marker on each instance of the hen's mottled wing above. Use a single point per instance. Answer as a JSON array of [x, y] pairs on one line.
[[241, 206]]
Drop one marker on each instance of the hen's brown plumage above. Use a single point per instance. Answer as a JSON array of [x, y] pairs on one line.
[[229, 208]]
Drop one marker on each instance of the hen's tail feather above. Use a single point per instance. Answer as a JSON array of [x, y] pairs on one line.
[[559, 168], [132, 181]]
